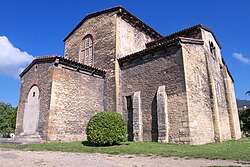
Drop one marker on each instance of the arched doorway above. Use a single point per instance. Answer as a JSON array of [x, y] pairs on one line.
[[31, 112]]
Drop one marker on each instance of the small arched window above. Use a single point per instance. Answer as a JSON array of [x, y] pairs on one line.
[[86, 50], [212, 49]]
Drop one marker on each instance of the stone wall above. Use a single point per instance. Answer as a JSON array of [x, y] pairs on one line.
[[198, 93], [235, 114], [40, 74], [218, 78], [75, 98], [129, 39], [207, 95], [232, 106], [112, 38], [103, 30], [164, 67]]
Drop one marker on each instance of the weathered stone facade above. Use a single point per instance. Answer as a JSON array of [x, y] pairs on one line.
[[75, 97], [141, 74], [104, 42], [41, 77], [175, 88], [70, 94]]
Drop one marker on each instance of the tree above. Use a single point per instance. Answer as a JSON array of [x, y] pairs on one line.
[[7, 118], [244, 116]]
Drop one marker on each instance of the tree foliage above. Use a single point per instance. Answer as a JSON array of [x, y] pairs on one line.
[[106, 128], [7, 118], [244, 116]]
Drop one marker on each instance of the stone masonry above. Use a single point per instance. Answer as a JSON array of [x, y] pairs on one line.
[[65, 102], [175, 88], [162, 114]]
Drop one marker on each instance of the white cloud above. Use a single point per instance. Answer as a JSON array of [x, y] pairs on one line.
[[241, 58], [12, 60]]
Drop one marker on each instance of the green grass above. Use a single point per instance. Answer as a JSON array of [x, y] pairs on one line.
[[234, 150]]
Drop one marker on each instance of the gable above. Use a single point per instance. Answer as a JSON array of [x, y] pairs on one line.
[[125, 15]]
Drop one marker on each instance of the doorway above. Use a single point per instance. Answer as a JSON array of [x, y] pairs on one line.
[[31, 112], [130, 118]]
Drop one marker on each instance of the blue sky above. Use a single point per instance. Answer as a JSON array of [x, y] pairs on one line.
[[33, 28]]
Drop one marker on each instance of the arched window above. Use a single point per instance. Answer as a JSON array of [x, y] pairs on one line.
[[86, 50], [212, 49]]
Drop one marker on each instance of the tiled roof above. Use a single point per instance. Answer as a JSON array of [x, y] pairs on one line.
[[67, 62], [125, 15], [47, 57], [182, 33]]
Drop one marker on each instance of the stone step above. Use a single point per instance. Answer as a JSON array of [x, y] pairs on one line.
[[23, 139]]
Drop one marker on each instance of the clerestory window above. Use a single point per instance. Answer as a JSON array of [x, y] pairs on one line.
[[86, 50]]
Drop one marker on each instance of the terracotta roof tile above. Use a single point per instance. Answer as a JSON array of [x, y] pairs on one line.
[[47, 57], [181, 33]]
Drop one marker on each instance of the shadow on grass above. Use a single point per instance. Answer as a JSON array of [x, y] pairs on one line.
[[89, 144]]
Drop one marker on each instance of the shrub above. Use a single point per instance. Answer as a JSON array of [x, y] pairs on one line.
[[106, 128]]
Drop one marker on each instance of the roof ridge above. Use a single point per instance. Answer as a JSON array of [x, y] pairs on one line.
[[47, 56], [70, 60], [182, 39], [148, 49], [63, 60], [172, 34]]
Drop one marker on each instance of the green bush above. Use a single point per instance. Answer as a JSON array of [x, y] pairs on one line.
[[106, 128]]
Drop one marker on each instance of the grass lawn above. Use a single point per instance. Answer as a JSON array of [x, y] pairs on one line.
[[234, 150]]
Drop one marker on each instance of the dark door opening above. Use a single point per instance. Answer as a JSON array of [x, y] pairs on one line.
[[130, 118]]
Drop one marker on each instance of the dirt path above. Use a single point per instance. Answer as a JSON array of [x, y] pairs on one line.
[[12, 158]]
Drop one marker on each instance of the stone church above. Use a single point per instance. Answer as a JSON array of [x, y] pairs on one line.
[[174, 88]]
